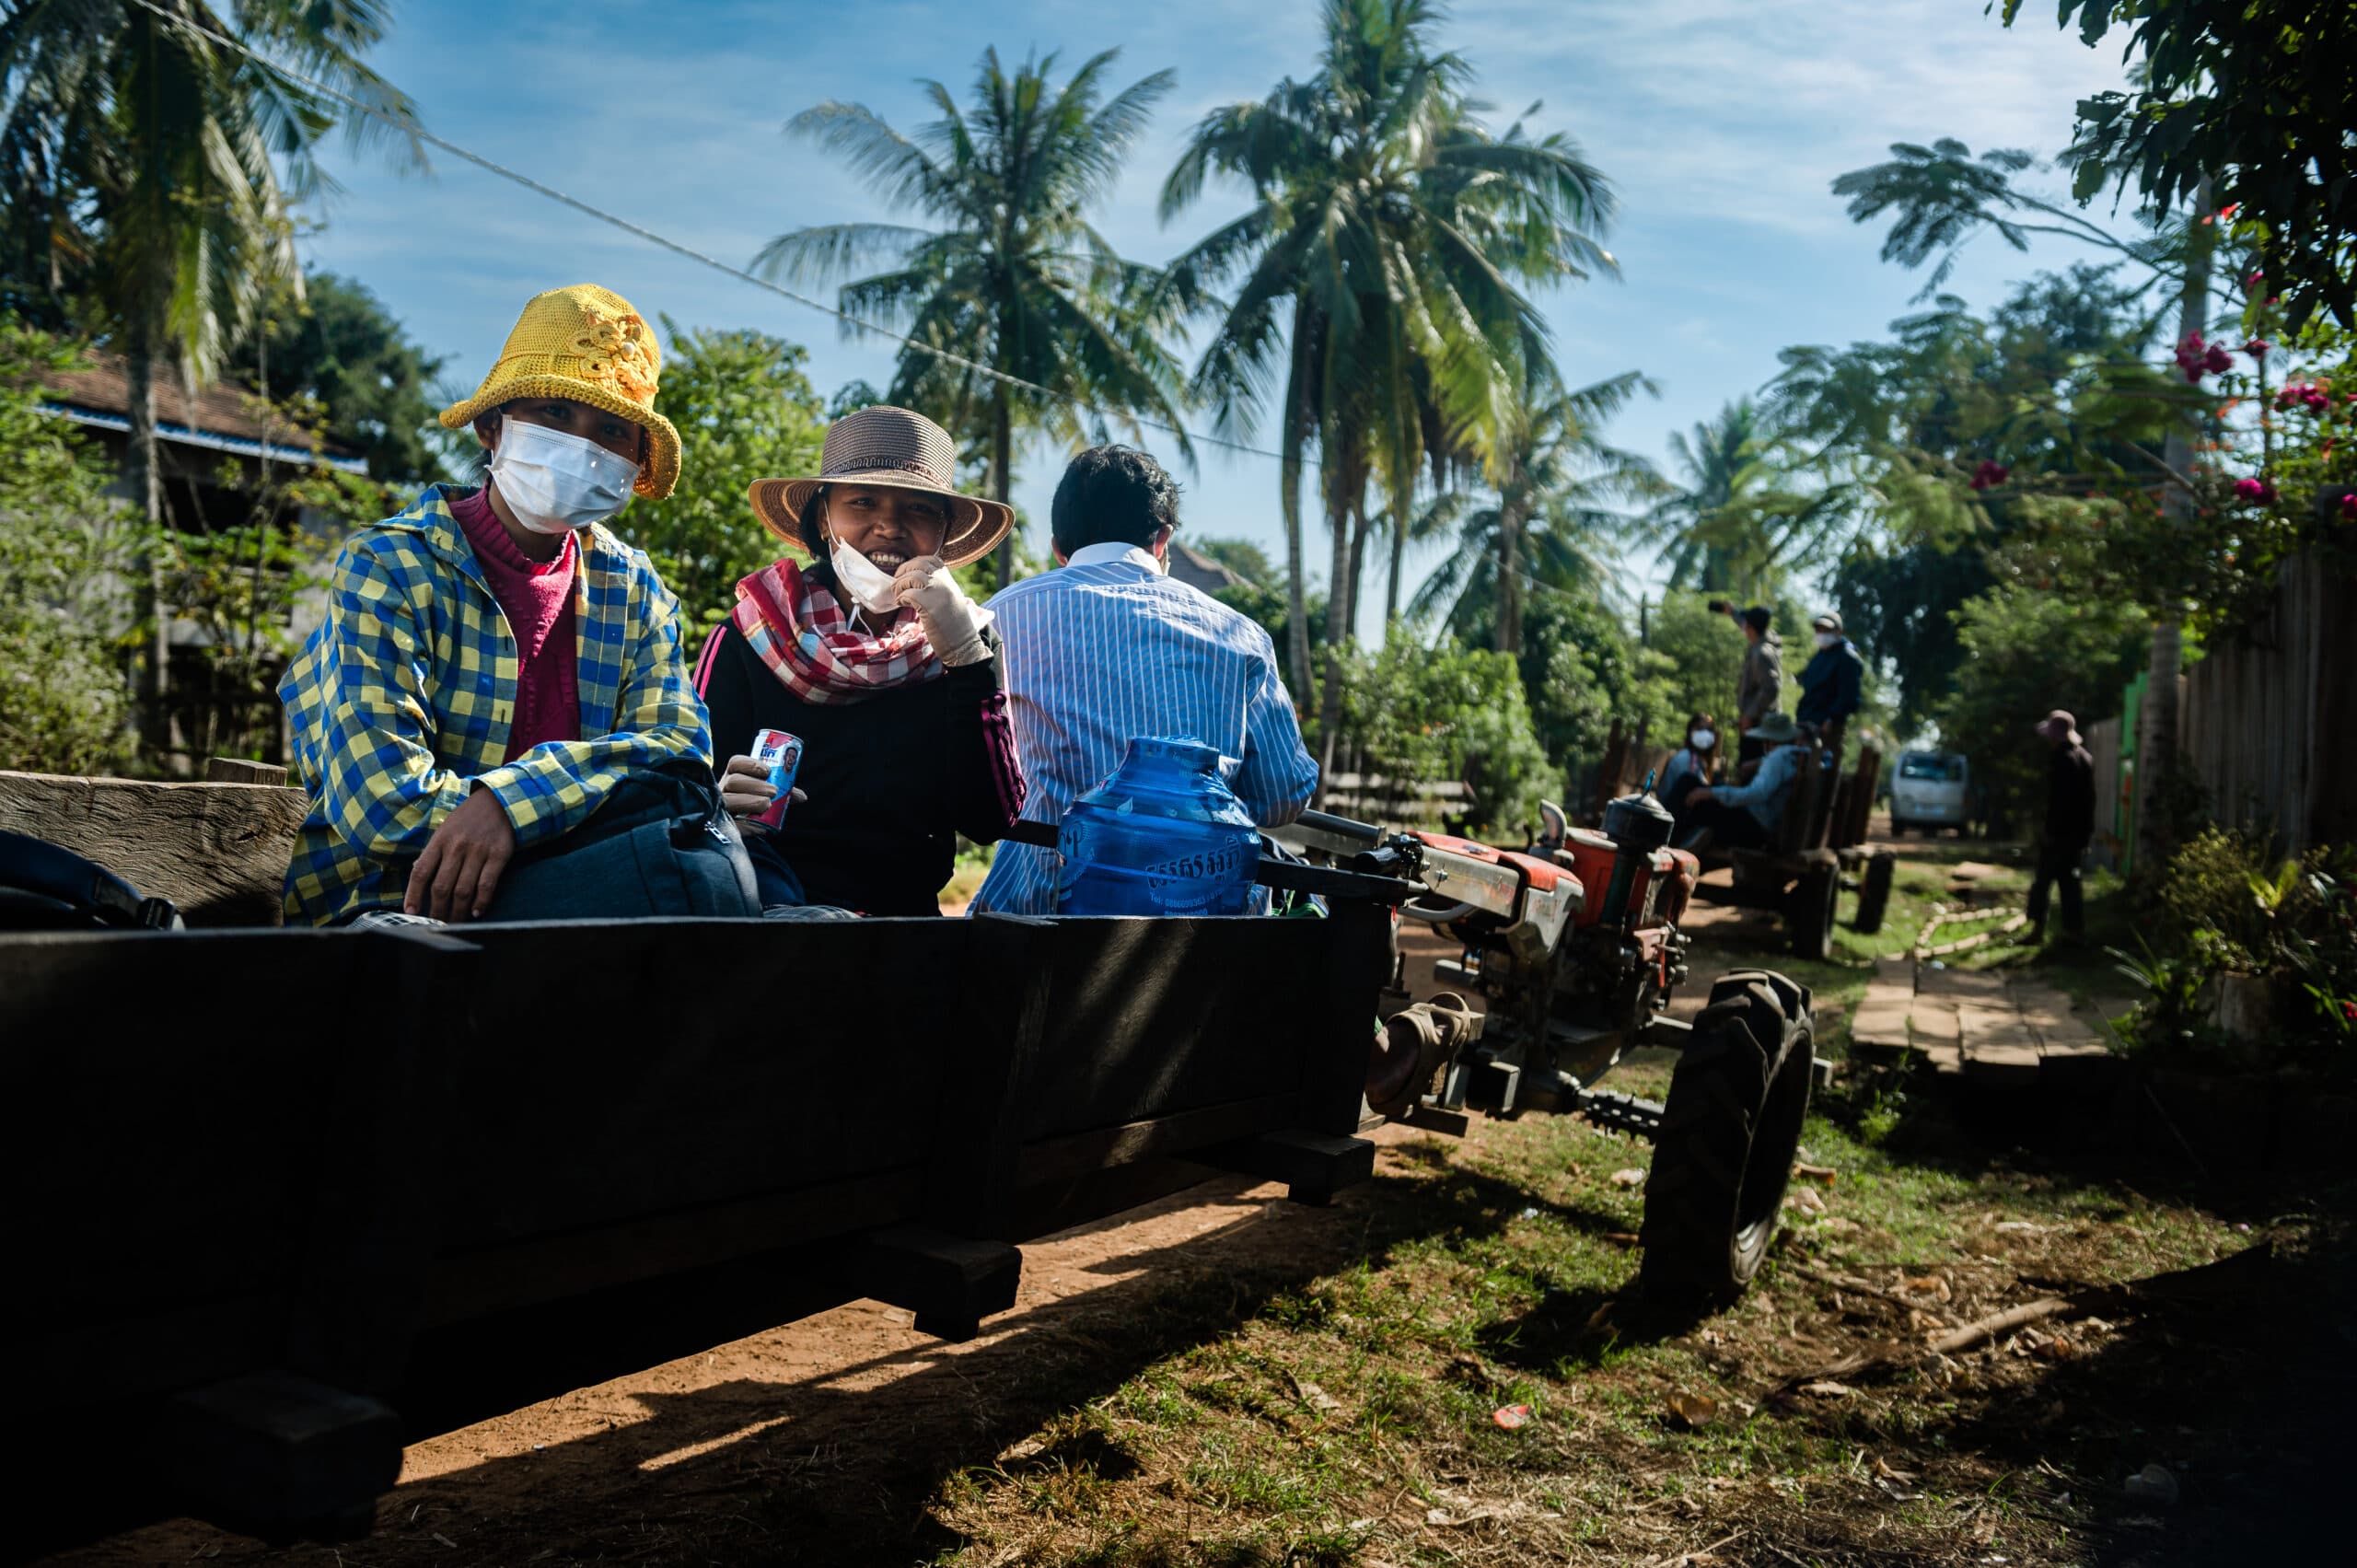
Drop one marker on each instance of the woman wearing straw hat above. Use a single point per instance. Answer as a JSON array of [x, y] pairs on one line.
[[493, 662], [876, 659]]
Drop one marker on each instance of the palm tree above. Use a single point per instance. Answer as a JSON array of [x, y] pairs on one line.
[[1734, 527], [1014, 278], [1555, 519], [148, 170], [1376, 277]]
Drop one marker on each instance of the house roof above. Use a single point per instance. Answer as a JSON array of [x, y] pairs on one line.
[[1197, 570], [219, 417]]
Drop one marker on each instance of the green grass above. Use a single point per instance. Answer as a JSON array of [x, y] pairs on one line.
[[1348, 1417]]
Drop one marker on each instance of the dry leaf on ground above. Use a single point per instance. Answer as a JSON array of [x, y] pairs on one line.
[[1696, 1411]]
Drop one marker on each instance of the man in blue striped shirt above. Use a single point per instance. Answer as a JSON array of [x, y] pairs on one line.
[[1108, 649]]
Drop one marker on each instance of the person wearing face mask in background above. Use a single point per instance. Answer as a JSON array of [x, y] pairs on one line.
[[493, 662], [1694, 764], [1831, 684], [880, 663]]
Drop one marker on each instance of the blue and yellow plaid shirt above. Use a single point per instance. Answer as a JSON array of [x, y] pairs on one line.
[[401, 702]]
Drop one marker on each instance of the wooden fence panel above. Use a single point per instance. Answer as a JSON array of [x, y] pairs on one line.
[[2270, 718]]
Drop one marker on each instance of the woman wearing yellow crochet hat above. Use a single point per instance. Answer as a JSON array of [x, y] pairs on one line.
[[495, 663]]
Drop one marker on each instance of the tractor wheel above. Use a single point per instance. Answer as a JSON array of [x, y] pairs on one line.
[[1874, 893], [1810, 911], [1728, 1136]]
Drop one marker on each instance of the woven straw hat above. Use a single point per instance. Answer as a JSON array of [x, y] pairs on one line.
[[586, 344], [887, 446]]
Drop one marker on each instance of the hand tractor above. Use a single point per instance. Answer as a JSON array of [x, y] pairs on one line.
[[1574, 942]]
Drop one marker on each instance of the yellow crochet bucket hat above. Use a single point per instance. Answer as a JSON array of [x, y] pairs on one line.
[[586, 344]]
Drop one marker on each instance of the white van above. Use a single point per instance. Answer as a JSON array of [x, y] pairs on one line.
[[1931, 790]]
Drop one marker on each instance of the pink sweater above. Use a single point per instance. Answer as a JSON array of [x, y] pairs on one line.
[[537, 598]]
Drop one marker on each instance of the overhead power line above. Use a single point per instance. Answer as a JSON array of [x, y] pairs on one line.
[[689, 252]]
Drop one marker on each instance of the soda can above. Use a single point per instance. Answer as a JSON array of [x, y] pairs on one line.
[[781, 754]]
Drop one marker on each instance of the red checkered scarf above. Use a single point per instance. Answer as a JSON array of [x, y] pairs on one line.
[[801, 632]]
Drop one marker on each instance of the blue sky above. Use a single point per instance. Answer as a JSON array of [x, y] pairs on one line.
[[1720, 124]]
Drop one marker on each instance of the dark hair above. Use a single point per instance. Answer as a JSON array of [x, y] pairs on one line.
[[1758, 618], [806, 523], [1112, 494]]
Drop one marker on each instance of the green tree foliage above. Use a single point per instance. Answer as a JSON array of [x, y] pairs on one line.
[[65, 554], [2028, 649], [1579, 669], [1014, 277], [1553, 523], [1447, 713], [1902, 603], [1738, 525], [146, 171], [1375, 274], [1941, 434], [1695, 660], [746, 409], [1241, 556], [147, 174], [2257, 95], [338, 347]]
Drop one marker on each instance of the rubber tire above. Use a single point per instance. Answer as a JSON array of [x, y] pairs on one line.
[[1729, 1133], [1874, 893], [1809, 912]]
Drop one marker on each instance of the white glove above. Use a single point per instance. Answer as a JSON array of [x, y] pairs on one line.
[[953, 623]]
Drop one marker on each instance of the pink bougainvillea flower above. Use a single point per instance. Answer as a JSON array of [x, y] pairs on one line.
[[2255, 348], [2216, 360], [2348, 508], [2256, 491], [2251, 280], [1990, 472]]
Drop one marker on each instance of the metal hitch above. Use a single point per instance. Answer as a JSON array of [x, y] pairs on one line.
[[1619, 1112]]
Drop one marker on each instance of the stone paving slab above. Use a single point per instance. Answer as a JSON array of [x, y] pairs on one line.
[[1996, 1029], [1960, 982], [1933, 1020]]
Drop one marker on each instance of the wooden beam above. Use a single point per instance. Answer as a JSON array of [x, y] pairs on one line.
[[237, 770], [218, 851]]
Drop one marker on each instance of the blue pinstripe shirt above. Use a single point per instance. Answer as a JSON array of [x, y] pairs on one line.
[[1105, 650]]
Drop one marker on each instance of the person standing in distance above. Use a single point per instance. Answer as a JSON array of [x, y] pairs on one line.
[[2070, 827], [1832, 684], [1761, 682]]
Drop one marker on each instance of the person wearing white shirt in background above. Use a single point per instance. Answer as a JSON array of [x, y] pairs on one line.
[[1108, 649]]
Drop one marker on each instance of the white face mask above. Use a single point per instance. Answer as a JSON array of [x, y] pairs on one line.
[[869, 585], [555, 483], [1701, 739], [1827, 639]]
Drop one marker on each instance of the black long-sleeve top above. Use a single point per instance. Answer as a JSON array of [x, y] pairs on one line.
[[892, 778], [2070, 797]]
